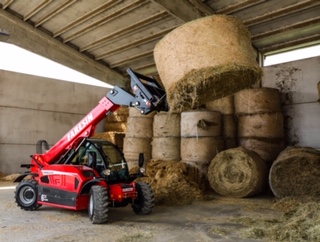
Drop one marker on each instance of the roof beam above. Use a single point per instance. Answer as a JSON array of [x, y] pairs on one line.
[[32, 39], [185, 12]]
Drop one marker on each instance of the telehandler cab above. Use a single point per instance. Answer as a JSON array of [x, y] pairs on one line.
[[80, 172]]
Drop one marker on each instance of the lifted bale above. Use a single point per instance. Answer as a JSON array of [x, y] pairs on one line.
[[296, 172], [204, 60], [237, 172]]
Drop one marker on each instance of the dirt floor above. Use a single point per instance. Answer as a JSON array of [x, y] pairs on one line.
[[215, 219]]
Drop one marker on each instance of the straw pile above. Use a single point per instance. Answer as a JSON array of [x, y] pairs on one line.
[[237, 172], [300, 222], [173, 183], [206, 59], [296, 172]]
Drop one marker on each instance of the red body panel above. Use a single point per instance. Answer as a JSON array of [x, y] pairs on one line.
[[85, 128]]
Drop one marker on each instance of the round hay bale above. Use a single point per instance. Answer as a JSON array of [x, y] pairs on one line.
[[139, 127], [166, 148], [257, 100], [237, 172], [201, 149], [133, 112], [206, 59], [296, 172], [200, 123], [166, 125], [266, 125], [133, 146], [223, 105], [268, 149], [229, 126]]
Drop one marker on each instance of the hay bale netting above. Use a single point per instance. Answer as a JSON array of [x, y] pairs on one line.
[[172, 183], [257, 100], [220, 61], [296, 172], [200, 123], [237, 172]]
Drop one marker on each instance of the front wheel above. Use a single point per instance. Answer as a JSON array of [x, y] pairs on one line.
[[98, 205], [26, 195], [144, 203]]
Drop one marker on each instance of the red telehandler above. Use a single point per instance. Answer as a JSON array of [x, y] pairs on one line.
[[80, 172]]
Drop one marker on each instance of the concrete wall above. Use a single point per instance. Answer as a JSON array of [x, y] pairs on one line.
[[297, 82], [34, 108]]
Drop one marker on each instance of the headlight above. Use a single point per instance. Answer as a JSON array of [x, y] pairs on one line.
[[106, 172], [142, 170]]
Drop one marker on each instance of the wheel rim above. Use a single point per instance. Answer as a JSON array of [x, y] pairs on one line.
[[27, 195]]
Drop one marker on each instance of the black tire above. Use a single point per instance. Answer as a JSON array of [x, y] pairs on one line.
[[98, 205], [144, 204], [26, 195]]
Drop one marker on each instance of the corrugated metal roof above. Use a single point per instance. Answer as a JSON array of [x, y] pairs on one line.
[[122, 33]]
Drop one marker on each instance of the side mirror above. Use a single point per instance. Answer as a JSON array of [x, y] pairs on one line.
[[92, 159], [141, 160]]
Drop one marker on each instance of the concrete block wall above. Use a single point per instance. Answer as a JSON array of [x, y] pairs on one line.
[[34, 108], [297, 82]]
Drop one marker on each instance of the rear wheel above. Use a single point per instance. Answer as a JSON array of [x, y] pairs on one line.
[[98, 205], [145, 202], [26, 195]]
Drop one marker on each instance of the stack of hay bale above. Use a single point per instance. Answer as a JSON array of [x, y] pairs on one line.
[[138, 137], [229, 125], [115, 127], [200, 138], [197, 63], [166, 137], [260, 121]]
